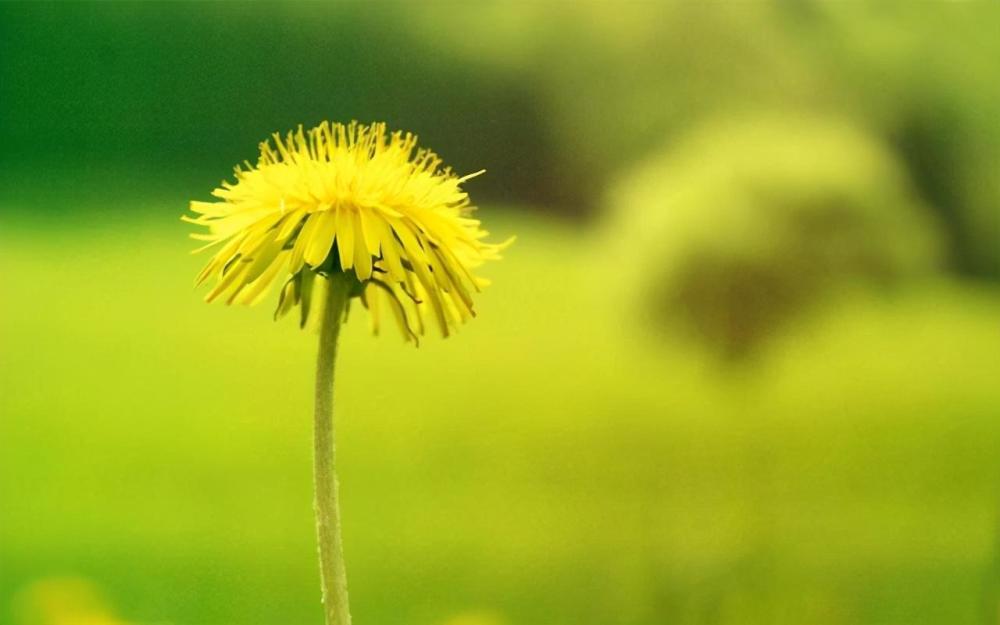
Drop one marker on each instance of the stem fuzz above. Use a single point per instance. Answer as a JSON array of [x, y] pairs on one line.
[[331, 549]]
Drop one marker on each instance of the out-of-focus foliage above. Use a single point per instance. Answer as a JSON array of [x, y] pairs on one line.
[[926, 75], [615, 84], [739, 227], [91, 89], [553, 100]]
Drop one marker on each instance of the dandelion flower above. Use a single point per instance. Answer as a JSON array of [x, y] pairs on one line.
[[337, 213], [347, 199]]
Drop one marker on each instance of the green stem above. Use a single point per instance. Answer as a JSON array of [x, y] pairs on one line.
[[331, 549]]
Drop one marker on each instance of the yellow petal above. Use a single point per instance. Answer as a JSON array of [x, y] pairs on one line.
[[362, 257], [297, 257], [320, 238], [345, 237]]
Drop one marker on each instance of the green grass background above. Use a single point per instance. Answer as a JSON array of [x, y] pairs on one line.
[[556, 462], [550, 464]]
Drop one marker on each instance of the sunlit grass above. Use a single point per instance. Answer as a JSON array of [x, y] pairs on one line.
[[850, 476]]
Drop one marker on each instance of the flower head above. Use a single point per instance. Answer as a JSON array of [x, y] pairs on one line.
[[347, 202]]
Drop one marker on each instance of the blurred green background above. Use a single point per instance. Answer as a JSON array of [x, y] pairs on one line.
[[740, 367]]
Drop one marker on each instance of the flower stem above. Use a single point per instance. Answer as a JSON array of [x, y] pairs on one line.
[[331, 550]]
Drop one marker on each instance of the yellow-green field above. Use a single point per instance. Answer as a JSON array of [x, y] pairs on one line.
[[550, 465]]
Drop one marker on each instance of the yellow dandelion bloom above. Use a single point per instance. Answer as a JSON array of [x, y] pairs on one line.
[[347, 199]]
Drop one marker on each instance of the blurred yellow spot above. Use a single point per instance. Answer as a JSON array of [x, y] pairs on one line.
[[63, 601], [476, 618]]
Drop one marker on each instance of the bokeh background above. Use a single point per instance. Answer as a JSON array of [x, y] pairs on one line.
[[741, 365]]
